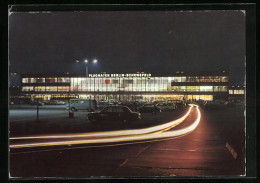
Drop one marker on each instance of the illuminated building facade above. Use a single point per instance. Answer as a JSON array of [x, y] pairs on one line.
[[128, 86], [237, 93]]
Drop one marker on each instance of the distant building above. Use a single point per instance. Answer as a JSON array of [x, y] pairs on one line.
[[179, 85], [15, 92], [236, 93], [14, 84]]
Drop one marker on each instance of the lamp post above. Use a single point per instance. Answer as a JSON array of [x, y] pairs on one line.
[[87, 62]]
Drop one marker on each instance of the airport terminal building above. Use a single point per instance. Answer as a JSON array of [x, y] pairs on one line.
[[128, 86]]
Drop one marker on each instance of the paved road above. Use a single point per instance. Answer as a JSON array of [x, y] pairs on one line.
[[200, 153]]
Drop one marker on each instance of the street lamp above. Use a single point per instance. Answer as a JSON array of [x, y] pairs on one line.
[[87, 62]]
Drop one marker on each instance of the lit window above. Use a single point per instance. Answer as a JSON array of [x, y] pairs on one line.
[[25, 80], [63, 88], [51, 80], [206, 88], [51, 88], [107, 81], [63, 80], [40, 80], [39, 88], [177, 79], [239, 92], [27, 88], [193, 88]]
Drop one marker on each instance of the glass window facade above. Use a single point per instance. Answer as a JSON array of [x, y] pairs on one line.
[[128, 84], [51, 88], [199, 88], [28, 80], [239, 92], [206, 88], [236, 91], [63, 88], [64, 80], [51, 80], [39, 88], [40, 80], [27, 88]]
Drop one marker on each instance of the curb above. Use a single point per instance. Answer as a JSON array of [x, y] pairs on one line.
[[231, 150]]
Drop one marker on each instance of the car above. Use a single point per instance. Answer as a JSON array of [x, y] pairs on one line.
[[149, 108], [158, 102], [178, 103], [167, 106], [114, 113], [82, 104], [102, 103], [124, 102], [60, 102], [135, 105], [215, 105], [140, 102], [55, 102]]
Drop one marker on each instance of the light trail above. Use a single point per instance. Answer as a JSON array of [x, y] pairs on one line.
[[133, 138], [115, 133]]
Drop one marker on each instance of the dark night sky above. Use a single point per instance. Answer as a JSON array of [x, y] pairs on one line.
[[125, 41]]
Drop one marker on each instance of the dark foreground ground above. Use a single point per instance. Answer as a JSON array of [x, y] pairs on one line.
[[200, 153]]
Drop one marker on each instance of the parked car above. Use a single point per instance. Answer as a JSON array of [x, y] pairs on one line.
[[158, 102], [216, 105], [101, 104], [124, 102], [55, 102], [61, 102], [167, 106], [141, 102], [114, 113], [82, 104], [149, 108], [178, 103]]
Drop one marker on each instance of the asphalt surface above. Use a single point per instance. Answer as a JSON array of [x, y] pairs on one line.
[[55, 121], [200, 153]]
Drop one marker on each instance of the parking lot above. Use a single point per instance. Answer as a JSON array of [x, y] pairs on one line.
[[55, 119]]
